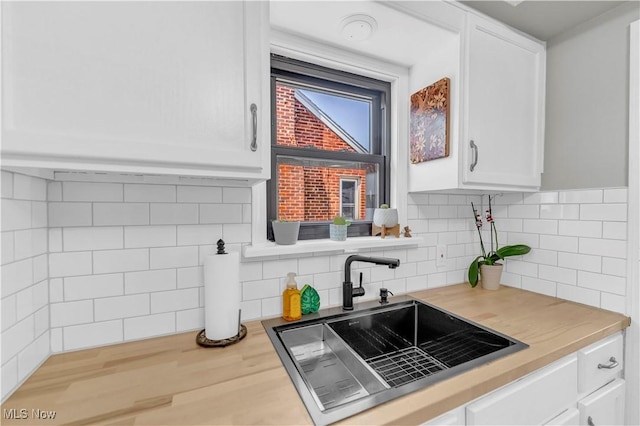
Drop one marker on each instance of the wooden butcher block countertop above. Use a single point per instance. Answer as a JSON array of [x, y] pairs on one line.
[[171, 380]]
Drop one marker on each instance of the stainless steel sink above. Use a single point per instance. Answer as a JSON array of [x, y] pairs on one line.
[[344, 363]]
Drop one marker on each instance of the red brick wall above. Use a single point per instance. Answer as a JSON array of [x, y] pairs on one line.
[[310, 193]]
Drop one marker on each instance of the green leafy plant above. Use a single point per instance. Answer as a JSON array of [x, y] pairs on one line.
[[339, 220], [492, 257]]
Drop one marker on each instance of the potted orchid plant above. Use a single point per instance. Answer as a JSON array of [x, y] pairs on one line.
[[482, 265]]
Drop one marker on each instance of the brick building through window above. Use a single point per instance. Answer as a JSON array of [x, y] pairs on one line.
[[317, 192]]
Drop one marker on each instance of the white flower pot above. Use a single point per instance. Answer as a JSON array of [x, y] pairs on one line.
[[386, 217], [490, 276]]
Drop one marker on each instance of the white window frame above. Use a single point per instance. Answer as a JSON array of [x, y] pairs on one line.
[[356, 203]]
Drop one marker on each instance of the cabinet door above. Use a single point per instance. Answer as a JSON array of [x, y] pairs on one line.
[[106, 85], [504, 106], [535, 399], [605, 406]]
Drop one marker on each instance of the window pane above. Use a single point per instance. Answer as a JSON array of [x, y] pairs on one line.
[[309, 118], [315, 190]]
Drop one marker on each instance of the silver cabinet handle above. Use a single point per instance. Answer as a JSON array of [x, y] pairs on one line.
[[612, 364], [474, 147], [590, 421], [254, 127]]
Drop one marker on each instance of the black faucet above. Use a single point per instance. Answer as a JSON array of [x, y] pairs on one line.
[[348, 292]]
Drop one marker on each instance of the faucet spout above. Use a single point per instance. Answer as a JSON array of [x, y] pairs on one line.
[[348, 292]]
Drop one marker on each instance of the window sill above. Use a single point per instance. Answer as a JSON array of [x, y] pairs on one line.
[[305, 247]]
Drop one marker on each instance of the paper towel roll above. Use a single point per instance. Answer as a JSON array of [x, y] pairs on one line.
[[221, 295]]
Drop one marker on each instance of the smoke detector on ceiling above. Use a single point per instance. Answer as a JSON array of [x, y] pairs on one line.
[[358, 27]]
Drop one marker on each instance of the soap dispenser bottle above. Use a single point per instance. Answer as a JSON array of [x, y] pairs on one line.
[[291, 310]]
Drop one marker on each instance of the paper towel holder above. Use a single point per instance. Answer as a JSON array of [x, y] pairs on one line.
[[201, 338]]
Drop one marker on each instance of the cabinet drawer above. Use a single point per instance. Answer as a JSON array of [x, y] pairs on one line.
[[590, 377], [569, 417], [604, 407], [535, 399]]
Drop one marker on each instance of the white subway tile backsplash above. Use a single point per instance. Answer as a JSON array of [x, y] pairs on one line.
[[192, 319], [110, 308], [261, 289], [15, 214], [94, 334], [92, 287], [313, 265], [174, 214], [20, 335], [507, 199], [40, 268], [541, 198], [580, 261], [539, 286], [7, 251], [251, 309], [600, 282], [91, 191], [30, 243], [41, 320], [527, 211], [29, 188], [560, 211], [612, 266], [9, 312], [39, 214], [610, 212], [150, 281], [189, 235], [272, 307], [6, 179], [557, 274], [54, 191], [55, 240], [251, 271], [56, 290], [614, 230], [199, 194], [149, 193], [616, 195], [542, 257], [71, 313], [580, 228], [57, 344], [522, 268], [149, 236], [70, 264], [559, 243], [236, 195], [540, 226], [31, 299], [221, 213], [148, 326], [173, 257], [577, 197], [613, 302], [33, 355], [194, 277], [597, 246], [109, 261], [105, 214], [176, 300], [92, 238]]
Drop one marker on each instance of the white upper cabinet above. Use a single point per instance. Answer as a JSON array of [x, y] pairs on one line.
[[504, 107], [137, 87], [496, 110]]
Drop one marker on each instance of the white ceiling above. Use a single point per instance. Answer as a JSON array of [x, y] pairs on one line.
[[397, 38], [543, 19]]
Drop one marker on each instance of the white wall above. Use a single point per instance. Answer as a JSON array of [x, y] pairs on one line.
[[25, 288], [586, 137]]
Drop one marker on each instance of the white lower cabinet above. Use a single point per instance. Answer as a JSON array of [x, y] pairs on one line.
[[535, 399], [584, 388], [605, 406]]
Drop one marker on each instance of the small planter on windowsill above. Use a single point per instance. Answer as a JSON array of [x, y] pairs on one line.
[[338, 229], [285, 233]]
